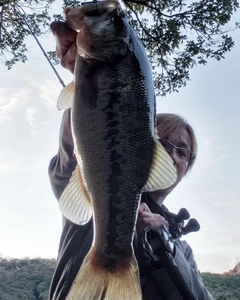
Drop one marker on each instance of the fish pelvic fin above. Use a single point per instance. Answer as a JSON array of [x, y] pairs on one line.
[[163, 174], [95, 282], [66, 96], [76, 201]]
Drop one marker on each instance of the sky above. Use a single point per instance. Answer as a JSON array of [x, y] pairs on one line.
[[30, 220]]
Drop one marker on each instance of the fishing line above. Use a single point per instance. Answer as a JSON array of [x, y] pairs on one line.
[[24, 16]]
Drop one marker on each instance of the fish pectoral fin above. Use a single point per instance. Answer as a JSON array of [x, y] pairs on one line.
[[76, 201], [163, 174], [66, 96], [96, 282]]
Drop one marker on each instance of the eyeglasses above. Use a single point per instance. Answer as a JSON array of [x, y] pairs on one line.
[[183, 153]]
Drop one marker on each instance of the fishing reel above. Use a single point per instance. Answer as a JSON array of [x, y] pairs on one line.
[[176, 226], [158, 243]]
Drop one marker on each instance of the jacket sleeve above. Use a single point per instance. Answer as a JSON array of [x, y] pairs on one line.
[[64, 163], [185, 261]]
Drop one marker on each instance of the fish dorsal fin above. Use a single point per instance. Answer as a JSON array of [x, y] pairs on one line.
[[66, 96], [163, 174], [76, 201]]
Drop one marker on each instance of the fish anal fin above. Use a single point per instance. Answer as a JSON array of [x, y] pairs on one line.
[[94, 282], [66, 96], [76, 202], [163, 173]]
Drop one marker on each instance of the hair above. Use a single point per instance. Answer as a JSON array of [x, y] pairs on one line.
[[167, 124]]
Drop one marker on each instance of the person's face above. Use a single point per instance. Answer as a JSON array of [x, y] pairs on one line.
[[180, 138]]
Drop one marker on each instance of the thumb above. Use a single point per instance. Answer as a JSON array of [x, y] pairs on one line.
[[143, 207]]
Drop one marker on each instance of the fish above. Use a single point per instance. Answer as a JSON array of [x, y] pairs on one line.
[[113, 115]]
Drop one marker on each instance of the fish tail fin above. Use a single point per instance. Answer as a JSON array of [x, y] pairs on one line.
[[97, 283], [124, 284]]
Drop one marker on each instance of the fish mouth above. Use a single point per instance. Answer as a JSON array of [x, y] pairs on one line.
[[95, 8], [100, 10]]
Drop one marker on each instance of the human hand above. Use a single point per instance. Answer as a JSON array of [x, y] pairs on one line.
[[148, 219], [65, 44]]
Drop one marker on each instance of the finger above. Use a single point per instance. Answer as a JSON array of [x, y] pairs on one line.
[[54, 25], [153, 219], [68, 60], [59, 28], [63, 32], [143, 207], [146, 219], [65, 37]]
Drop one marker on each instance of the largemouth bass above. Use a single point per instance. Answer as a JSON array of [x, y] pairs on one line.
[[116, 146]]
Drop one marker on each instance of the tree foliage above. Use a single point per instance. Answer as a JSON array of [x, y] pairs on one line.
[[25, 279], [177, 34], [223, 287], [180, 34], [18, 20], [29, 279]]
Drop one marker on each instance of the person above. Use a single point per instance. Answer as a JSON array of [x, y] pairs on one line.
[[178, 138]]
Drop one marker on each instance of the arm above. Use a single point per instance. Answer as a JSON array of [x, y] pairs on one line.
[[64, 163], [186, 263]]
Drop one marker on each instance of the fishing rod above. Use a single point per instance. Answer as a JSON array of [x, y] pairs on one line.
[[39, 44]]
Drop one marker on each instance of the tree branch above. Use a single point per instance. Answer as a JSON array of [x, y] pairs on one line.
[[1, 22], [181, 15], [39, 44]]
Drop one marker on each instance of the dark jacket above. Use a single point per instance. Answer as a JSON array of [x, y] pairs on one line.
[[157, 283]]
